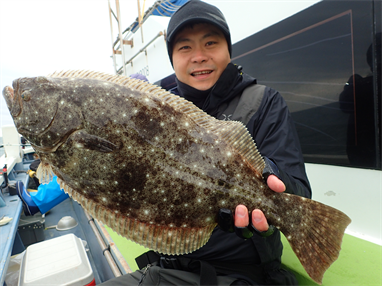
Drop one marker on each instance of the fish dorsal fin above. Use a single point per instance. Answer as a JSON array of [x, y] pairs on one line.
[[233, 133], [130, 82]]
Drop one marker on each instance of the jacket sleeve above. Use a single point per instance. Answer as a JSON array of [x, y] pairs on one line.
[[276, 138]]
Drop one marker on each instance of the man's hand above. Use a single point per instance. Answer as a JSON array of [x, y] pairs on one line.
[[241, 218]]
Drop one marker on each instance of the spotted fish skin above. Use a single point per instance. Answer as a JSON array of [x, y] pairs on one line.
[[157, 169]]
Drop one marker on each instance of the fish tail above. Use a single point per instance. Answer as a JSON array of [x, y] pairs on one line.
[[315, 233]]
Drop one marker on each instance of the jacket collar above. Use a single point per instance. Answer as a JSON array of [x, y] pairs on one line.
[[231, 83]]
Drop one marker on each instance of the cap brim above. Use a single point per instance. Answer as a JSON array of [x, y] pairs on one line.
[[185, 22]]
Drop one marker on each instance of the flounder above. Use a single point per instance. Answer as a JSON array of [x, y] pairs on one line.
[[155, 168]]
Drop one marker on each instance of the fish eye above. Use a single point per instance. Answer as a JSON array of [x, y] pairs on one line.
[[26, 95]]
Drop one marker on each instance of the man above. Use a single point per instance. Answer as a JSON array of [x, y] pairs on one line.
[[199, 47]]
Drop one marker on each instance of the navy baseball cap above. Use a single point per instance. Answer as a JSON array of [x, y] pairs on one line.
[[196, 11]]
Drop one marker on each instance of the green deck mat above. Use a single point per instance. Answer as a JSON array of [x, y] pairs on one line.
[[128, 248], [360, 261]]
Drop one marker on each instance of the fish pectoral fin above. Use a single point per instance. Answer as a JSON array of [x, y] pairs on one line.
[[82, 139], [44, 173]]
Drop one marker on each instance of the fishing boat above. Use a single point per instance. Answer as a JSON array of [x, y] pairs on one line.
[[312, 53]]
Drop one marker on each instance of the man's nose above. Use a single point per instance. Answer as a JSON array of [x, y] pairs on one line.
[[199, 56]]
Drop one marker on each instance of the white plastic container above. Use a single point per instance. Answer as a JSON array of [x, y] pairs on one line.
[[58, 261]]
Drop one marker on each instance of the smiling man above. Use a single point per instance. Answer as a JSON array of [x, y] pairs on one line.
[[200, 55], [243, 250]]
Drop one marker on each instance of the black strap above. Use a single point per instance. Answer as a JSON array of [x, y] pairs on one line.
[[206, 271], [149, 257], [243, 107], [249, 103]]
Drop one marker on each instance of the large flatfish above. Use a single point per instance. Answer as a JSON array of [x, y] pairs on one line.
[[157, 169]]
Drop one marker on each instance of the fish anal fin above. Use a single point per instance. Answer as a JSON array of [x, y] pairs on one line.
[[317, 238], [161, 238], [82, 139]]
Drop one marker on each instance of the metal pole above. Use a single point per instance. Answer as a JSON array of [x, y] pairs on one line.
[[109, 258], [120, 36], [112, 40], [144, 48], [114, 250], [140, 20]]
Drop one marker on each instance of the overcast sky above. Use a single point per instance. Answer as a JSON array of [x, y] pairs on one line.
[[38, 37]]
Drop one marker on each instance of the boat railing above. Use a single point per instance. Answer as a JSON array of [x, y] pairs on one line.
[[140, 51], [131, 35]]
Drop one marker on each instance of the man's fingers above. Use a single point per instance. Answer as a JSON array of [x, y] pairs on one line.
[[275, 184], [242, 227], [241, 222], [259, 221], [241, 216]]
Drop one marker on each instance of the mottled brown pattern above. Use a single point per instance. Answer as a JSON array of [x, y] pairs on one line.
[[157, 169]]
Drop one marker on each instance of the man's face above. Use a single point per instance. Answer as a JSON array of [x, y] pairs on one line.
[[200, 55]]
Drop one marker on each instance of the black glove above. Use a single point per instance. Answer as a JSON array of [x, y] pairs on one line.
[[226, 223]]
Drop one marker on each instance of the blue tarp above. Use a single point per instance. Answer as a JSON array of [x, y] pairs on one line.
[[166, 9]]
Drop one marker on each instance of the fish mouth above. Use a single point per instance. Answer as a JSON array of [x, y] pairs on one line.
[[13, 104], [8, 96]]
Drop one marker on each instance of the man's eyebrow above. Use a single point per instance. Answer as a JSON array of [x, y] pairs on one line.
[[209, 34], [181, 40]]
